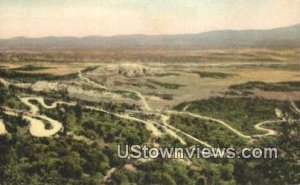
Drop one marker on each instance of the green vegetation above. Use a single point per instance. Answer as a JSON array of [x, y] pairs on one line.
[[30, 77], [289, 67], [64, 160], [164, 96], [97, 125], [280, 86], [127, 94], [161, 171], [267, 66], [238, 93], [165, 85], [29, 160], [284, 170], [207, 74], [90, 68], [90, 87], [69, 161], [166, 74], [10, 122], [30, 68], [208, 131], [241, 113], [8, 98], [48, 125], [86, 149]]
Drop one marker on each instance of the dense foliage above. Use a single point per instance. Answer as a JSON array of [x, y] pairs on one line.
[[86, 149]]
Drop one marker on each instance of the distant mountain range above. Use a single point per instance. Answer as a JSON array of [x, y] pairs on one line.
[[284, 37]]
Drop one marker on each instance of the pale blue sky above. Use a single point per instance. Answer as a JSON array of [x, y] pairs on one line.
[[38, 18]]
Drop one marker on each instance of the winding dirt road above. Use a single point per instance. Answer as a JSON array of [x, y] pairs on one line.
[[258, 126], [172, 131], [34, 109], [214, 120], [37, 125], [36, 121], [268, 132], [38, 129], [149, 125]]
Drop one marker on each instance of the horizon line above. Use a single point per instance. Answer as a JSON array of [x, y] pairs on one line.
[[147, 35]]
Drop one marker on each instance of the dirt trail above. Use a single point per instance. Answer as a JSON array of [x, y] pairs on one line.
[[294, 106], [4, 82], [214, 120], [34, 109], [173, 134], [149, 125], [80, 75], [53, 105], [189, 136], [269, 132], [172, 131], [2, 127], [108, 175], [37, 126], [146, 105], [258, 126], [167, 127]]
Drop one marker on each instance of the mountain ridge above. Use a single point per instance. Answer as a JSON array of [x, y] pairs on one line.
[[283, 37]]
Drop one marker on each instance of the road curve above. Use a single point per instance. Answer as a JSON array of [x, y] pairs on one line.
[[34, 108], [258, 126], [155, 123], [37, 126], [214, 120], [269, 132]]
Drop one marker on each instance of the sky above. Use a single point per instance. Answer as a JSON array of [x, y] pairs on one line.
[[40, 18]]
